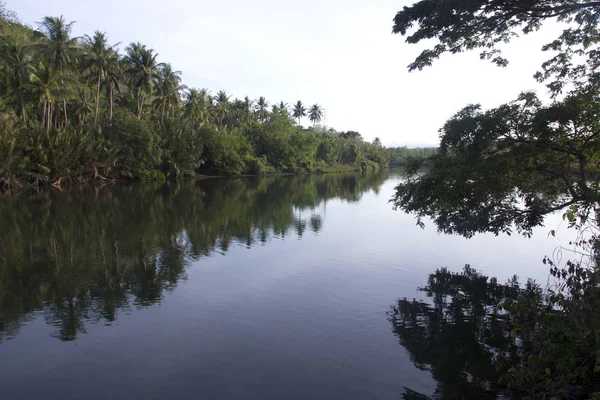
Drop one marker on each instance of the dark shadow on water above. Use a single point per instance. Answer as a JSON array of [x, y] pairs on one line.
[[84, 256]]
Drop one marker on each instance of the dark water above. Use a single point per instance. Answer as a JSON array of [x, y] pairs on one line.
[[270, 288]]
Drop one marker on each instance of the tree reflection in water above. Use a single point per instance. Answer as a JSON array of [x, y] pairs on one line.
[[459, 335], [84, 256]]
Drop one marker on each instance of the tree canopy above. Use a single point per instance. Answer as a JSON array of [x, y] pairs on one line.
[[459, 26], [508, 167]]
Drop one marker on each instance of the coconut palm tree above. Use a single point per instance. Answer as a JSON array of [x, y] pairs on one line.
[[282, 107], [113, 76], [85, 103], [143, 70], [222, 105], [315, 114], [45, 85], [262, 108], [59, 46], [195, 107], [98, 58], [17, 63], [168, 89], [299, 111]]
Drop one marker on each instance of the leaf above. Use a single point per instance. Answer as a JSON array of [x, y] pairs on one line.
[[597, 369], [548, 371]]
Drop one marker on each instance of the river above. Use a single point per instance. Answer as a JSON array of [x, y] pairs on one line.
[[245, 288]]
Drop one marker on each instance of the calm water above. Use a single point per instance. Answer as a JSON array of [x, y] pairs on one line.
[[254, 288]]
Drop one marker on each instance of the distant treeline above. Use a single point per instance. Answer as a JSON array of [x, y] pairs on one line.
[[403, 155], [75, 109]]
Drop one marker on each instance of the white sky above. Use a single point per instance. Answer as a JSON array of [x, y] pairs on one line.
[[340, 54]]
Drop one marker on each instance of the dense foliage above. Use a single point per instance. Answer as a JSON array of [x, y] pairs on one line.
[[406, 156], [77, 109], [506, 168]]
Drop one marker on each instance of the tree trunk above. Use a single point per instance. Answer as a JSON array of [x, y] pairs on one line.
[[23, 110], [110, 102], [97, 99], [44, 113], [65, 107]]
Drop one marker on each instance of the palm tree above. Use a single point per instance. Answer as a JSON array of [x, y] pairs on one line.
[[44, 83], [85, 103], [299, 111], [143, 71], [60, 47], [168, 89], [281, 107], [113, 76], [99, 57], [195, 107], [17, 61], [315, 114], [223, 105], [261, 108]]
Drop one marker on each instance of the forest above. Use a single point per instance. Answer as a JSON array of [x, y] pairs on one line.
[[81, 109]]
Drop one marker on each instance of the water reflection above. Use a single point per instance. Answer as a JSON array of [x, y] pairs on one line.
[[85, 256], [459, 335]]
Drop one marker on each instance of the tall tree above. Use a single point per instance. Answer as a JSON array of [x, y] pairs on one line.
[[60, 47], [143, 70], [168, 89], [17, 63], [195, 107], [262, 108], [299, 111], [98, 58], [315, 114], [45, 85], [222, 106]]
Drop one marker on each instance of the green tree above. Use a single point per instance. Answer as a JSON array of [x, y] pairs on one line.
[[143, 70], [262, 108], [17, 65], [514, 164], [45, 85], [315, 114], [299, 111], [195, 107], [60, 47], [168, 89], [222, 106], [98, 59]]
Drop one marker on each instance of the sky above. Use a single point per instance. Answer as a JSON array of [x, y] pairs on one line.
[[339, 54]]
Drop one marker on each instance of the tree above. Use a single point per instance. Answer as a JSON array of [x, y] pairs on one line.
[[60, 47], [262, 108], [113, 75], [168, 89], [98, 59], [299, 111], [44, 84], [315, 114], [509, 166], [195, 107], [222, 106], [281, 107], [143, 71], [512, 165], [483, 24], [17, 63]]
